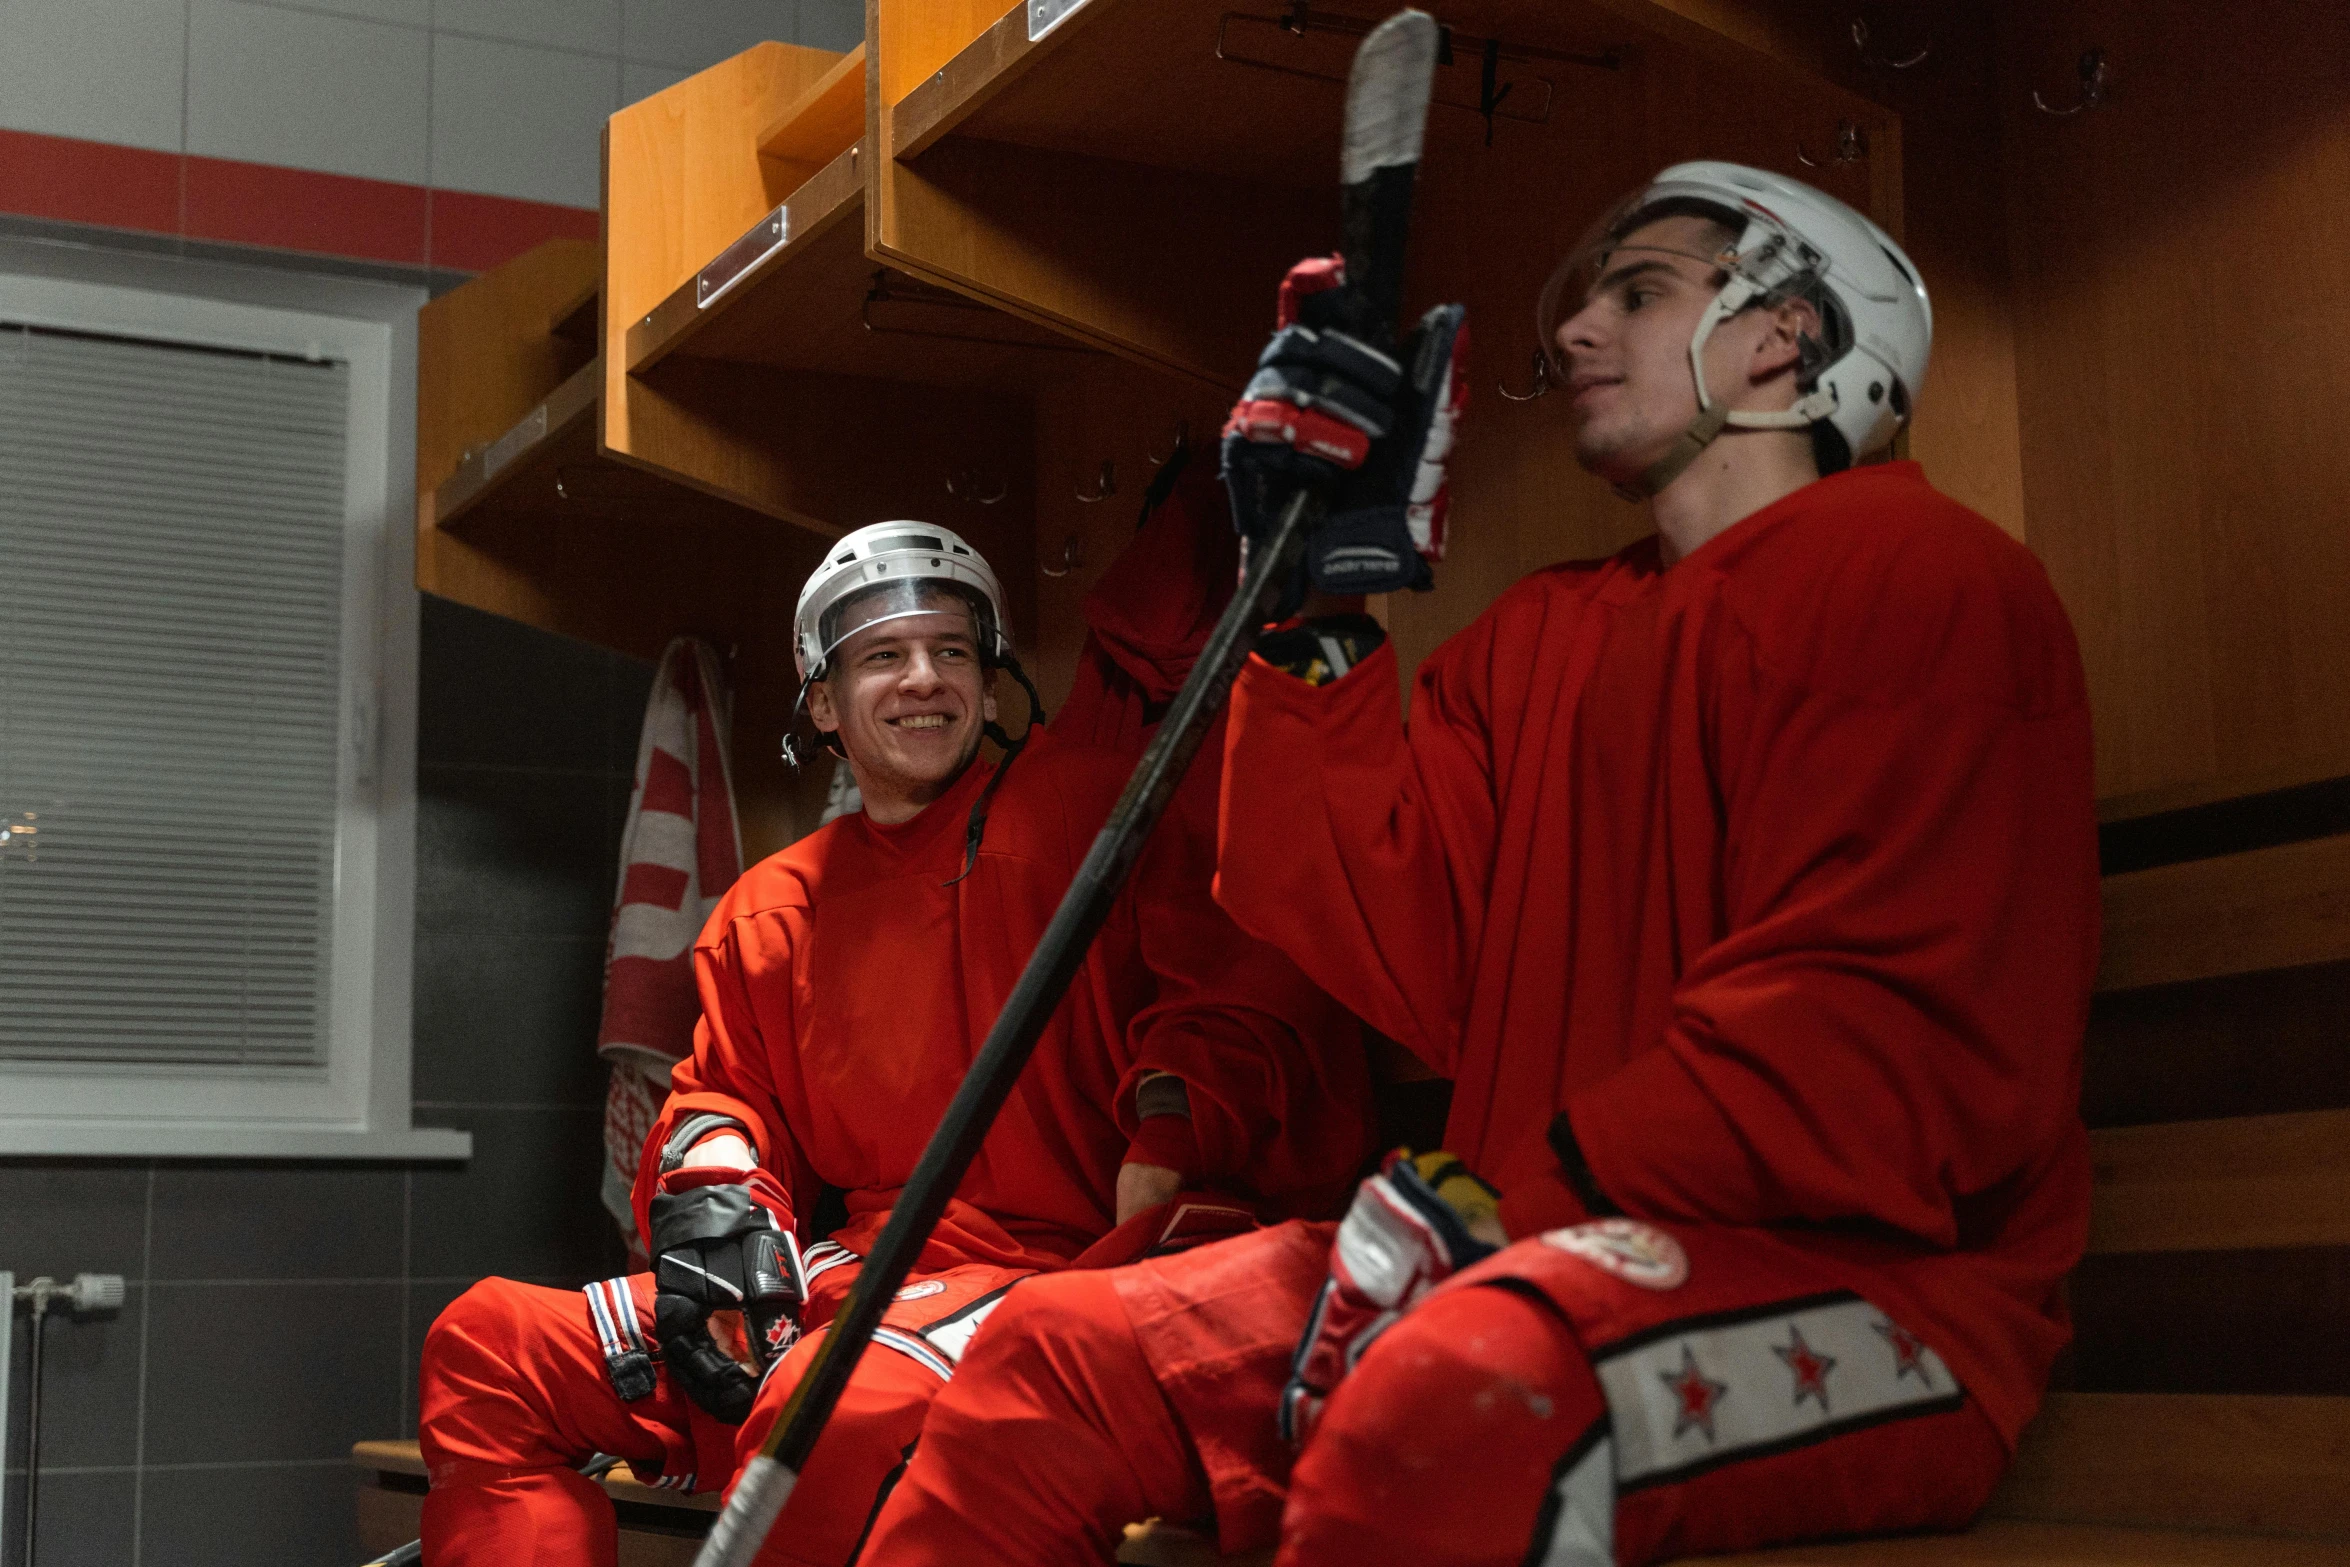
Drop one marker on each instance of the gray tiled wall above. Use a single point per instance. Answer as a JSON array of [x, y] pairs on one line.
[[275, 1310]]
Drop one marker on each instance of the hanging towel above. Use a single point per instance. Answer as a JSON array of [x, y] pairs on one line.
[[680, 852]]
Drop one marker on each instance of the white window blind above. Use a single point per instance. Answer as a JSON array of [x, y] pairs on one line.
[[207, 710], [171, 606]]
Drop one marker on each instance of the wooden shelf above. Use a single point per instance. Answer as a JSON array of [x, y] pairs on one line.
[[819, 125], [558, 429], [2235, 914]]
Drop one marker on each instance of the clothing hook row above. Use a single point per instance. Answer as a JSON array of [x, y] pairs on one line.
[[1881, 57], [1851, 146], [1180, 442], [1105, 486], [1540, 386], [1072, 557], [969, 485], [2094, 86]]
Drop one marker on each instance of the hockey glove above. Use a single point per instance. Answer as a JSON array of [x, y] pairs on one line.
[[1331, 412], [716, 1247], [1408, 1231], [1323, 649]]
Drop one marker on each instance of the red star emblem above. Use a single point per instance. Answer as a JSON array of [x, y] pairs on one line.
[[1695, 1394], [1811, 1368], [1909, 1351]]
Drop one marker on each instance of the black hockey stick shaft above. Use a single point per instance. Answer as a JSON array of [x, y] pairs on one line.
[[766, 1482], [1386, 115]]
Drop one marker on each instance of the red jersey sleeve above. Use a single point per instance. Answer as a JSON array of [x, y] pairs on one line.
[[1889, 1026], [1279, 1088], [1360, 850], [728, 1073]]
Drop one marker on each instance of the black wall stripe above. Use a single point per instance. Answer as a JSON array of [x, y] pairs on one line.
[[2212, 1322], [2202, 832]]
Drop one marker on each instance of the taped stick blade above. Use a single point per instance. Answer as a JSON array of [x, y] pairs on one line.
[[1387, 95]]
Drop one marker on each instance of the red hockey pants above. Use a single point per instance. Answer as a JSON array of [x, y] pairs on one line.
[[1544, 1408], [515, 1395]]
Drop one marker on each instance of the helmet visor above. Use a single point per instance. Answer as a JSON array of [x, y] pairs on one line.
[[902, 600], [1606, 262]]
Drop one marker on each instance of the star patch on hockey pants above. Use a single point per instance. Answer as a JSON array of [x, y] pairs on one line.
[[1725, 1392]]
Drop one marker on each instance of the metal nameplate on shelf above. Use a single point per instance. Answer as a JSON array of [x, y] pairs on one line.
[[514, 442], [736, 260], [1045, 15]]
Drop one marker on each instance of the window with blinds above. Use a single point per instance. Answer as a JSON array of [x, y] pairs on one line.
[[172, 599]]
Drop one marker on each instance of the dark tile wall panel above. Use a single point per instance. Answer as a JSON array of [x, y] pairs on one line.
[[285, 1221], [87, 1520], [72, 1218], [511, 1018], [525, 1206], [273, 1515], [249, 1373], [514, 852]]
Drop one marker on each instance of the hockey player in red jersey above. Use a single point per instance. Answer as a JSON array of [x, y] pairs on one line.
[[846, 983], [1745, 884]]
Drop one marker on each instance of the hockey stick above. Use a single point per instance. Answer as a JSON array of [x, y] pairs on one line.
[[1386, 115]]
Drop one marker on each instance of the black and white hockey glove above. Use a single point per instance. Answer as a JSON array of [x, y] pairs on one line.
[[1328, 411], [717, 1247], [1408, 1231]]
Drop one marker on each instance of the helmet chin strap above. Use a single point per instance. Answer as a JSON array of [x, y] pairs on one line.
[[1712, 417]]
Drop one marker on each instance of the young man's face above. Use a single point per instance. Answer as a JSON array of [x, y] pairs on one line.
[[909, 699], [1627, 349]]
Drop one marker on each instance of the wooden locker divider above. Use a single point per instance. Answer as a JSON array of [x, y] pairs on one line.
[[517, 512]]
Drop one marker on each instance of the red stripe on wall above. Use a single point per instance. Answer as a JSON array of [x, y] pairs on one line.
[[295, 209], [73, 181], [89, 182], [475, 233]]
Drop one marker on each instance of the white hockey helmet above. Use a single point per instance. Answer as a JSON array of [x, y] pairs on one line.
[[1857, 380], [887, 571]]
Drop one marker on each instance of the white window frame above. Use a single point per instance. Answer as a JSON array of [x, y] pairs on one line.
[[360, 1106]]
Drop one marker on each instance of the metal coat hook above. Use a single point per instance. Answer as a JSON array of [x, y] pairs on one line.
[[1852, 145], [1881, 58], [1181, 441], [1541, 386], [1105, 486], [1072, 556], [967, 485], [2093, 88]]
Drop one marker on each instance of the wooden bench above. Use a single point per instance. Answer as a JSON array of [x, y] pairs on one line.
[[2203, 1417]]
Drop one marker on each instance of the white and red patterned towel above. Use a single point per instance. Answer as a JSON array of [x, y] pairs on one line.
[[680, 852]]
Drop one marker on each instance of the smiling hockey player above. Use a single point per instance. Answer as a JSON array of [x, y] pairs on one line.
[[846, 983], [1745, 884]]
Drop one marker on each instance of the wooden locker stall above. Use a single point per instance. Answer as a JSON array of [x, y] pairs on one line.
[[984, 270], [1140, 172]]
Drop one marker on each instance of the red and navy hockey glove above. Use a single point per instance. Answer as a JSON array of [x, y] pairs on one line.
[[1407, 1232], [717, 1247], [1372, 431]]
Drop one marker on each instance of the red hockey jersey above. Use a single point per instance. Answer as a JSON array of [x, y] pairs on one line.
[[846, 987], [1775, 869]]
